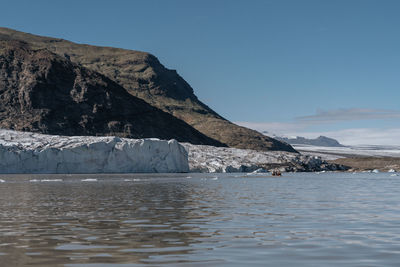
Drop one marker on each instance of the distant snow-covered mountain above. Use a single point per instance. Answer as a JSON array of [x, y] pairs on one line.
[[319, 141]]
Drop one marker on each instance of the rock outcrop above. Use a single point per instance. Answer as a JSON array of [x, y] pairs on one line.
[[142, 75], [24, 152], [43, 92]]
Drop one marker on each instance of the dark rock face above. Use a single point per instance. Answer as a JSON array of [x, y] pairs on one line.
[[44, 92], [143, 76]]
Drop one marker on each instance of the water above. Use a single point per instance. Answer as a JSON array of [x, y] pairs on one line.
[[327, 219]]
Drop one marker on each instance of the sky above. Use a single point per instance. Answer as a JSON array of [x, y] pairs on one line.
[[306, 67]]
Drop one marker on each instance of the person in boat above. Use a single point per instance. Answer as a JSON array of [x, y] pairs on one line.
[[276, 173]]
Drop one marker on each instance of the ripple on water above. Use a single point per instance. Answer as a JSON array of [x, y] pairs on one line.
[[82, 247], [299, 219]]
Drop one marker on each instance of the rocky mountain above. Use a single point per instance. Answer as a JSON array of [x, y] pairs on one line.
[[319, 141], [143, 76], [43, 92]]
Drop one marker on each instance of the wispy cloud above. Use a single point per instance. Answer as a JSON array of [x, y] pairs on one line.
[[350, 114], [353, 136], [359, 136]]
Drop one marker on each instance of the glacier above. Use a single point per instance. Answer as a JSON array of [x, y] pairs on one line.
[[211, 159], [26, 152]]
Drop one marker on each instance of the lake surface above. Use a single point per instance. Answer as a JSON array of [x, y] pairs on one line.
[[303, 219]]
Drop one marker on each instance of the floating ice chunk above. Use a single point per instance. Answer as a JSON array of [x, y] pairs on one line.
[[89, 180], [2, 181], [391, 170], [375, 171], [260, 170], [45, 180]]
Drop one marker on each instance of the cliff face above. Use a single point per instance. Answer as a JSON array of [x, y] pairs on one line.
[[44, 92], [24, 152], [143, 76]]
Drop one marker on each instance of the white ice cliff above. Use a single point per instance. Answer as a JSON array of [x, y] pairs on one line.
[[25, 152]]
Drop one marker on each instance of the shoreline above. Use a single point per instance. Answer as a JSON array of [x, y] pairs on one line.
[[32, 153], [362, 158]]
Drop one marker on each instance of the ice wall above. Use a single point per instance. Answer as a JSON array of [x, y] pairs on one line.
[[24, 152]]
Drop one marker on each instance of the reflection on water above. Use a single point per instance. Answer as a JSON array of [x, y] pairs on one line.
[[130, 220]]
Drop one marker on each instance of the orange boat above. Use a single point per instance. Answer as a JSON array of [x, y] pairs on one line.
[[276, 173]]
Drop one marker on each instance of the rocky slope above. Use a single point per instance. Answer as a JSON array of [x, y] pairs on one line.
[[25, 152], [145, 77], [370, 163], [44, 92]]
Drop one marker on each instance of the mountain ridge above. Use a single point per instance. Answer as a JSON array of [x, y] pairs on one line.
[[143, 76], [44, 92], [319, 141]]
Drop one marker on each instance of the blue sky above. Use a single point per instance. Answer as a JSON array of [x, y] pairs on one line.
[[288, 67]]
